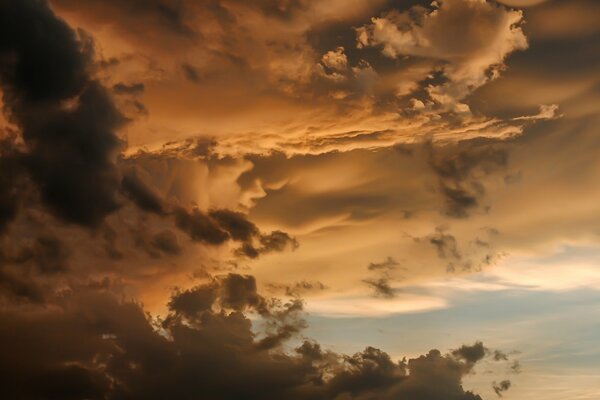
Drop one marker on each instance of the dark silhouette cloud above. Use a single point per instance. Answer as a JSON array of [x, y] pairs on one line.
[[236, 223], [86, 343], [471, 354], [200, 226], [68, 120], [192, 302], [239, 292], [218, 226]]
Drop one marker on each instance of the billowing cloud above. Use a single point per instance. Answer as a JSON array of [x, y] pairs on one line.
[[67, 119], [298, 62], [109, 349], [469, 38], [166, 166]]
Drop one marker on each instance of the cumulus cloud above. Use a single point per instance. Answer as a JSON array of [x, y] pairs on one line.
[[205, 346], [469, 38]]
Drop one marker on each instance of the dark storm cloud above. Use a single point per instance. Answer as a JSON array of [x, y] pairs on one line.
[[218, 226], [68, 120], [85, 343], [236, 224]]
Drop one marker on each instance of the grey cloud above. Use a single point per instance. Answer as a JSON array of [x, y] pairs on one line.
[[297, 289], [166, 241], [471, 354], [501, 387], [388, 264], [381, 287], [459, 169], [446, 245]]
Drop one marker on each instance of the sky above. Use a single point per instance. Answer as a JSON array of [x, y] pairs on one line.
[[297, 199]]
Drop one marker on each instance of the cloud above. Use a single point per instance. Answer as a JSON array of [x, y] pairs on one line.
[[501, 387], [388, 264], [471, 52], [108, 348], [458, 167], [298, 289], [549, 111], [381, 287], [166, 18], [291, 65], [335, 59], [471, 354], [11, 173], [218, 226], [166, 241], [67, 119]]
